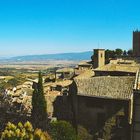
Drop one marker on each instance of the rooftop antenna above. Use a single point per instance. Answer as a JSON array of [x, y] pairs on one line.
[[98, 45]]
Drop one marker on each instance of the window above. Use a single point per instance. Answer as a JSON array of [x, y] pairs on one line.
[[101, 55]]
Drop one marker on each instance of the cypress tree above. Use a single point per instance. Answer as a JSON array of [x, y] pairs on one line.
[[39, 105]]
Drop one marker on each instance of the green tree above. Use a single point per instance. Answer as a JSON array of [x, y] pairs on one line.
[[109, 54], [23, 132], [14, 82], [118, 52], [39, 105], [130, 52], [124, 53], [62, 130]]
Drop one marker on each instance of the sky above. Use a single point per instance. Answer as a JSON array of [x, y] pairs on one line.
[[55, 26]]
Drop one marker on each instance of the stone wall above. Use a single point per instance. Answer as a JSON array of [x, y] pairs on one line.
[[62, 108], [103, 118], [136, 44], [136, 117], [113, 73]]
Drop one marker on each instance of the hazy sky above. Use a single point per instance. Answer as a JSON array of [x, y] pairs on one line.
[[53, 26]]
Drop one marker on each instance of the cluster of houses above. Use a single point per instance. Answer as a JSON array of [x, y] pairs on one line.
[[103, 98]]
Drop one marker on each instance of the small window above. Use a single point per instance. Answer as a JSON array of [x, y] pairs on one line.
[[101, 55]]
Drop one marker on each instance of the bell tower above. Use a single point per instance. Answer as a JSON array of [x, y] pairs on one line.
[[136, 43], [98, 58]]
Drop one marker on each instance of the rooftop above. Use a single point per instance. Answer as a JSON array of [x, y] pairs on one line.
[[113, 87], [86, 74], [65, 70], [63, 83], [119, 67], [87, 63]]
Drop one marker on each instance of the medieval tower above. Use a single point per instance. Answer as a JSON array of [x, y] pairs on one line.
[[99, 58], [136, 43]]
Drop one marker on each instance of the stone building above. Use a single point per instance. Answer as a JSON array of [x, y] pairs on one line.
[[98, 58], [101, 104], [104, 106], [83, 67], [117, 70], [136, 43], [136, 109], [86, 65], [104, 100], [65, 73]]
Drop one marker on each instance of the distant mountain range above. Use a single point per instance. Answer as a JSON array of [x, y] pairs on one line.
[[60, 56]]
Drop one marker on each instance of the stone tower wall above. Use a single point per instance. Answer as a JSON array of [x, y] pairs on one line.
[[136, 44], [99, 58]]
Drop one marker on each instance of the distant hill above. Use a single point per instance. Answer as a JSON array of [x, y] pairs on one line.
[[60, 56]]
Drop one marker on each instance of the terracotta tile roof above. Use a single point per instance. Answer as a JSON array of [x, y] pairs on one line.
[[117, 67], [86, 74], [106, 87], [85, 63]]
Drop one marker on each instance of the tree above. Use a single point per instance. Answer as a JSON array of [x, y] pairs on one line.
[[23, 132], [62, 130], [13, 82], [118, 52], [92, 57], [124, 53], [39, 105], [130, 52], [109, 54]]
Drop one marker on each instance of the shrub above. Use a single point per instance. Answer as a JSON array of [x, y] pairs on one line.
[[23, 132], [83, 134], [14, 82], [62, 130], [39, 135]]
